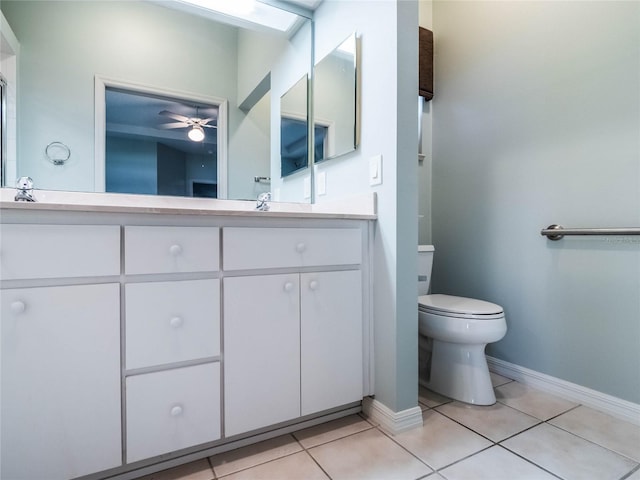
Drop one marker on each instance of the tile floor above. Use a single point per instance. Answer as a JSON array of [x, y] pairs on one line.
[[527, 434]]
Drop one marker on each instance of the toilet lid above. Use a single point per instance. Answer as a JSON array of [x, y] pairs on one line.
[[449, 304]]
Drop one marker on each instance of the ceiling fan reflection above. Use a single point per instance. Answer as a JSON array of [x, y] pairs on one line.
[[195, 124]]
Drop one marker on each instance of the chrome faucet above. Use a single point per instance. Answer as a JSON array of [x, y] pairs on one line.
[[24, 187], [262, 203]]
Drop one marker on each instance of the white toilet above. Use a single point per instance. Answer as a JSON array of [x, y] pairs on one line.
[[458, 330]]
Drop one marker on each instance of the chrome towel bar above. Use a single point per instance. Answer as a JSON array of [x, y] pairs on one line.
[[556, 232]]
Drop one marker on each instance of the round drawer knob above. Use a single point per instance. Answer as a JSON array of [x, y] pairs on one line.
[[288, 287], [313, 284], [176, 322], [176, 411], [18, 307], [175, 250], [301, 247]]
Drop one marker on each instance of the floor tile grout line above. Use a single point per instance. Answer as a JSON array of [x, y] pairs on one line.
[[313, 459], [563, 413], [592, 442], [390, 437], [529, 461], [213, 472], [464, 458], [216, 477], [539, 421], [335, 439], [570, 433], [628, 474], [584, 438], [472, 430]]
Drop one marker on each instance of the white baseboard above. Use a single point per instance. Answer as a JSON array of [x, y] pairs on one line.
[[390, 421], [608, 404]]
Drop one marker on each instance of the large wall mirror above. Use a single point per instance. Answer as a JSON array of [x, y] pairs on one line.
[[335, 101], [192, 91]]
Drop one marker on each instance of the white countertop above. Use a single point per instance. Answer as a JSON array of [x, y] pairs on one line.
[[361, 207]]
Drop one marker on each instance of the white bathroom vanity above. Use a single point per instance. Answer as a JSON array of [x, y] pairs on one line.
[[139, 333]]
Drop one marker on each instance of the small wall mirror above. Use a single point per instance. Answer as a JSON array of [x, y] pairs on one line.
[[294, 129], [335, 94]]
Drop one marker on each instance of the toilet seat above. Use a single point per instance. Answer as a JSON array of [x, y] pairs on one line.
[[459, 307]]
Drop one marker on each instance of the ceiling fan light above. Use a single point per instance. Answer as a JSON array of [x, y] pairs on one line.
[[196, 133]]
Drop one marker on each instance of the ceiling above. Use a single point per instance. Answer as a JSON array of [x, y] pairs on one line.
[[308, 4]]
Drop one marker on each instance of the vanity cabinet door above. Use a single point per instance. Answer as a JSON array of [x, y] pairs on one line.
[[60, 381], [261, 351], [331, 339], [172, 409]]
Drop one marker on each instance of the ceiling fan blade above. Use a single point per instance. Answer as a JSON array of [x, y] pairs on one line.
[[204, 121], [208, 126], [167, 126], [175, 116]]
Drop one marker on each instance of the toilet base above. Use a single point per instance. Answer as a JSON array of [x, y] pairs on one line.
[[460, 371]]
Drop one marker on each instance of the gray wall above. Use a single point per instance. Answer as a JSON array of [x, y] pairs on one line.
[[536, 120]]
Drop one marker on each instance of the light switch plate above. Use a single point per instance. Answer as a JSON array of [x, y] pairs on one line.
[[375, 170], [321, 183]]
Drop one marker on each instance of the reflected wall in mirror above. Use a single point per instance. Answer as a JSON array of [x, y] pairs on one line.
[[294, 126], [66, 45], [335, 95]]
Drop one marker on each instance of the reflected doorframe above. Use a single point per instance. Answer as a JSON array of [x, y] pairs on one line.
[[100, 122]]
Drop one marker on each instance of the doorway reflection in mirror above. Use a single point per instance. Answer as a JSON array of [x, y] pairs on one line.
[[150, 149]]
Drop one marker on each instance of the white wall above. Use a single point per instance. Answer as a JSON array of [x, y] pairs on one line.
[[388, 35], [536, 120]]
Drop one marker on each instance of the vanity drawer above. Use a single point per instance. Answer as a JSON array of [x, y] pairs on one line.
[[169, 322], [171, 249], [172, 409], [54, 251], [250, 248]]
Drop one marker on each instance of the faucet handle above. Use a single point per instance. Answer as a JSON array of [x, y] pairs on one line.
[[24, 183], [262, 204], [24, 187]]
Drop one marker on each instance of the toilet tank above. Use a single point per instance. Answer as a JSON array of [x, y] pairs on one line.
[[425, 262]]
